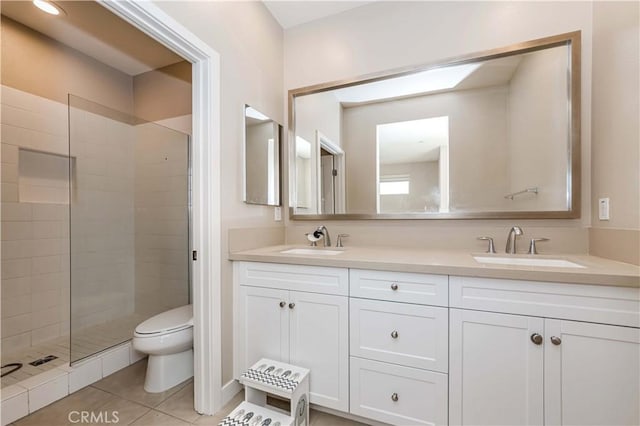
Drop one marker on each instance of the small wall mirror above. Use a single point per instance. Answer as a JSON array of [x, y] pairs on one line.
[[262, 158], [494, 134]]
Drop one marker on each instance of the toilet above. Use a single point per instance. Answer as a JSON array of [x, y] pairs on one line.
[[168, 339]]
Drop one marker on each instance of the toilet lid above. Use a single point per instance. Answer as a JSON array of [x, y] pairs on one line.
[[172, 320]]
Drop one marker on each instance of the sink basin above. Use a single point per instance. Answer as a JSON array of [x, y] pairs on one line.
[[312, 251], [527, 261]]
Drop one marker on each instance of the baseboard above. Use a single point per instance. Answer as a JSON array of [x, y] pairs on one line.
[[229, 390]]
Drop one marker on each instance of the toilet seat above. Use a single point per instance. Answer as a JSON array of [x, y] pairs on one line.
[[166, 322]]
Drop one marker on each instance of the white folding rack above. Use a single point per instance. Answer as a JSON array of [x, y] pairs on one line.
[[275, 378]]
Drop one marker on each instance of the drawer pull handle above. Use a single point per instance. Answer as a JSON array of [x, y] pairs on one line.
[[283, 304], [394, 286], [536, 338], [394, 397], [292, 305], [394, 334], [556, 340]]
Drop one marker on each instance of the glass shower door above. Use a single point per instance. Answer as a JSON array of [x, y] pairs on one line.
[[129, 224]]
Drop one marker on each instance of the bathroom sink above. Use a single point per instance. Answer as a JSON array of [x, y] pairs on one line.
[[312, 251], [527, 261]]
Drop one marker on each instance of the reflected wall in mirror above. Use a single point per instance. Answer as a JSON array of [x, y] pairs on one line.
[[490, 135], [262, 158]]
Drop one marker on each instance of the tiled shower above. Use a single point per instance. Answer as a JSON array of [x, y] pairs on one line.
[[95, 228]]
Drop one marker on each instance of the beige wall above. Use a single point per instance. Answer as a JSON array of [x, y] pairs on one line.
[[37, 64], [538, 138], [163, 93], [616, 135], [386, 35], [478, 140], [249, 42]]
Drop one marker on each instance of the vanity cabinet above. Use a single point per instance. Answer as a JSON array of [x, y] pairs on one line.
[[531, 370], [399, 347], [299, 327]]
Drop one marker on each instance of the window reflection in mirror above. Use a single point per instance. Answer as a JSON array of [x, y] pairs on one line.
[[262, 158], [469, 137]]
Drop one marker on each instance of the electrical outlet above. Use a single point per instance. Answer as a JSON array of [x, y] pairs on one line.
[[277, 214], [603, 209]]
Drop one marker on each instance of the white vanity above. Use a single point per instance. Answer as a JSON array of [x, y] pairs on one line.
[[469, 344]]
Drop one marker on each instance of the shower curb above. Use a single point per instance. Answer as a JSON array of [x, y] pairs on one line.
[[36, 392]]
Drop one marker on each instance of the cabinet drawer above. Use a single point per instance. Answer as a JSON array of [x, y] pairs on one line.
[[314, 279], [592, 303], [398, 395], [400, 333], [422, 289]]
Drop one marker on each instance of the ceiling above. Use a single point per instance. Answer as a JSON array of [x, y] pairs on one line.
[[292, 13], [412, 141], [93, 30]]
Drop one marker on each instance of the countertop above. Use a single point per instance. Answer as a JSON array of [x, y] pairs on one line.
[[596, 270]]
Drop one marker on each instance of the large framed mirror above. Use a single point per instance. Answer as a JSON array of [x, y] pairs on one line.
[[261, 158], [494, 134]]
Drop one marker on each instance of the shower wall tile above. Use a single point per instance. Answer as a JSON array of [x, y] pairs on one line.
[[35, 257], [16, 211], [12, 306], [12, 231], [16, 325], [15, 343], [16, 268], [16, 286], [9, 152], [9, 173], [9, 192]]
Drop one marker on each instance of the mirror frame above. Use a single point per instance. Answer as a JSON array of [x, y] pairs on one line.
[[279, 162], [572, 40]]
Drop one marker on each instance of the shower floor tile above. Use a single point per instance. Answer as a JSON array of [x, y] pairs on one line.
[[85, 343]]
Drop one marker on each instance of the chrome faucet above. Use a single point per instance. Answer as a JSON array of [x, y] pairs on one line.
[[511, 240], [325, 234]]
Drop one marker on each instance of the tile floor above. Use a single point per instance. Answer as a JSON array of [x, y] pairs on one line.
[[123, 392]]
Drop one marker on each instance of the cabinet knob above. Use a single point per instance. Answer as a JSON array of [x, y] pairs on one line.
[[556, 340], [394, 334], [394, 397], [283, 304], [292, 305], [394, 286], [536, 338]]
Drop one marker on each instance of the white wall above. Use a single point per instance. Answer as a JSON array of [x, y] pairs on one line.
[[386, 35], [249, 42]]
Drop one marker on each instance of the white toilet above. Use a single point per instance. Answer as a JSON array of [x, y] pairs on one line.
[[168, 339]]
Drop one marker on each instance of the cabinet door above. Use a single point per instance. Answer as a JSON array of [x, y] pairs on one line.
[[592, 374], [263, 325], [496, 370], [319, 338]]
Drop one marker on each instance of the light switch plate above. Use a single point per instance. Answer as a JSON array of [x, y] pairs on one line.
[[603, 209], [277, 214]]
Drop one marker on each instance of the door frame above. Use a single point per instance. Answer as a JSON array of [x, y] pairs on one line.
[[205, 209], [331, 147]]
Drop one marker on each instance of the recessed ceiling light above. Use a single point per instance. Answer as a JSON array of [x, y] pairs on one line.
[[48, 7]]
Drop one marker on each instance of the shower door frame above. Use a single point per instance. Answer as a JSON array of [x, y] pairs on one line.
[[205, 190]]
